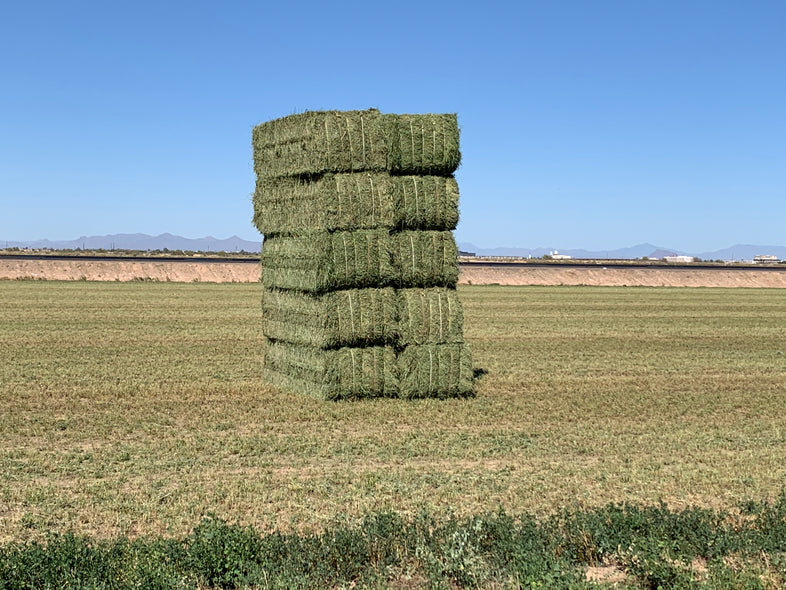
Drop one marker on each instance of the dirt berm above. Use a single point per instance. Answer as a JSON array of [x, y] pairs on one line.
[[471, 273]]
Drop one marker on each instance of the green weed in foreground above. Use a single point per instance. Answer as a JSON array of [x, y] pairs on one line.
[[652, 547], [137, 409]]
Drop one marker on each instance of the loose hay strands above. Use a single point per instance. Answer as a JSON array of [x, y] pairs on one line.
[[319, 262], [316, 142], [343, 373], [435, 370], [429, 316], [362, 200], [353, 317], [425, 259]]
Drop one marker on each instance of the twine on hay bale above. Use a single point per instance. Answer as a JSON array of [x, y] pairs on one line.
[[352, 317], [435, 370], [429, 316], [365, 200], [425, 259], [363, 317], [319, 262], [316, 142], [341, 373]]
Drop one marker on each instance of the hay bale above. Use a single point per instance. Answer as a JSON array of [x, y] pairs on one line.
[[425, 259], [320, 261], [316, 142], [352, 317], [426, 203], [364, 200], [425, 144], [342, 373], [429, 316], [435, 371]]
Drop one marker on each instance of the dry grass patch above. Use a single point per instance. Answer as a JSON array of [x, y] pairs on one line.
[[138, 408]]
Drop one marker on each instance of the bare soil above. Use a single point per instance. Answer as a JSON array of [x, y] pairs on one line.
[[473, 274], [133, 270], [641, 277]]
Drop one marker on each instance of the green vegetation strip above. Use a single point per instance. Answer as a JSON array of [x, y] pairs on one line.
[[650, 547], [316, 142], [355, 201]]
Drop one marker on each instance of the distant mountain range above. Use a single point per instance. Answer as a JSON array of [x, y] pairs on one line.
[[236, 244], [143, 242]]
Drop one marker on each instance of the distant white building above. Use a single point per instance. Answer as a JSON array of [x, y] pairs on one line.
[[764, 258], [678, 258], [557, 256]]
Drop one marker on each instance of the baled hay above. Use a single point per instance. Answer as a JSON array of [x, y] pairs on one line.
[[425, 259], [435, 371], [342, 373], [316, 142], [427, 203], [352, 317], [363, 200], [319, 262], [429, 316], [426, 144]]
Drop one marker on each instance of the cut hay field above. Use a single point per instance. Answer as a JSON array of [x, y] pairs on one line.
[[137, 408]]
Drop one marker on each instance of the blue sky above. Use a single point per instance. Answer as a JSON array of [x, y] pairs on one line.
[[585, 124]]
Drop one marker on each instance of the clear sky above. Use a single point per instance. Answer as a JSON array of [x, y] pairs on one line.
[[592, 124]]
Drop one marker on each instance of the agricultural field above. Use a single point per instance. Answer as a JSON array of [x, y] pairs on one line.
[[138, 408]]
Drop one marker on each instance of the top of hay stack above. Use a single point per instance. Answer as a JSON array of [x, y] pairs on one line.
[[316, 142]]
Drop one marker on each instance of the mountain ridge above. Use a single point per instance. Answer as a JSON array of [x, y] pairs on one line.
[[139, 241]]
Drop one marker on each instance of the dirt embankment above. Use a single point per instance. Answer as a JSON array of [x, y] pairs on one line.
[[475, 274], [132, 270], [478, 274]]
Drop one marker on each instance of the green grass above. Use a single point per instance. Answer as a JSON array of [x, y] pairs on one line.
[[138, 408], [640, 548]]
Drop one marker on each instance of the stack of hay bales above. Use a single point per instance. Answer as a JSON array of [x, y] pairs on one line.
[[359, 262]]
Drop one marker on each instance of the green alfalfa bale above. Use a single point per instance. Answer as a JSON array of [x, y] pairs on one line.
[[429, 316], [363, 200], [351, 317], [341, 373], [425, 144], [316, 142], [427, 203], [425, 259], [318, 262], [435, 371]]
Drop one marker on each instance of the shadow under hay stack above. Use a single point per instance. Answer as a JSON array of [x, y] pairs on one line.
[[359, 262]]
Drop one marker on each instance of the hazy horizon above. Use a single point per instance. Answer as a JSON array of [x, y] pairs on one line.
[[141, 241]]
